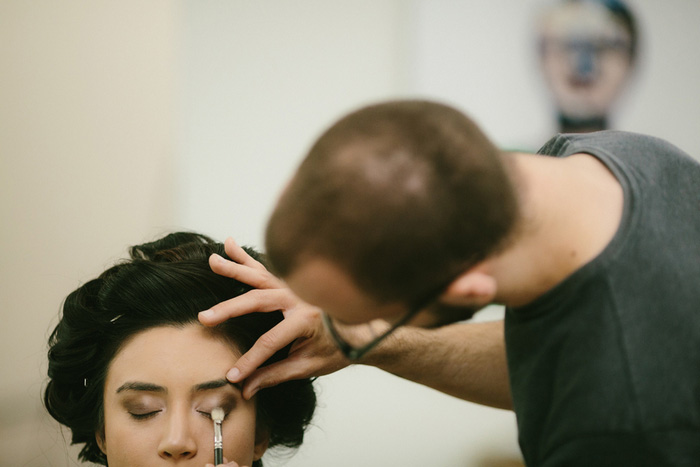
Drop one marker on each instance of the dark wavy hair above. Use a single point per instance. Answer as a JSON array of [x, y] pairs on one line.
[[164, 283]]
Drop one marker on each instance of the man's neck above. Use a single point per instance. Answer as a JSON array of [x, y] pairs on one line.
[[571, 209]]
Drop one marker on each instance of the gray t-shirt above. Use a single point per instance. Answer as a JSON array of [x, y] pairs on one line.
[[605, 367]]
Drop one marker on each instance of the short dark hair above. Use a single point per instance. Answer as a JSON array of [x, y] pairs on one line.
[[401, 195], [624, 15], [164, 283]]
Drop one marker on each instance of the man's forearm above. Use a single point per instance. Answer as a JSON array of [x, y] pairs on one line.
[[466, 360]]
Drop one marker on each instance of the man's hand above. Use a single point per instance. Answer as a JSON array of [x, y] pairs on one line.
[[313, 353]]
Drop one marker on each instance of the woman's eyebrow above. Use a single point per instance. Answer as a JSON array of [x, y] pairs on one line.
[[140, 386], [150, 387], [215, 384]]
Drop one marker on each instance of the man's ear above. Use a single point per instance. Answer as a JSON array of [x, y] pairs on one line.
[[262, 441], [471, 288]]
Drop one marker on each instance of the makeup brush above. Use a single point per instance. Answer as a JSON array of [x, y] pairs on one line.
[[218, 416]]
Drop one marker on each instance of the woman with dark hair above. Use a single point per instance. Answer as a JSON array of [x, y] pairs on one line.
[[135, 376], [588, 53]]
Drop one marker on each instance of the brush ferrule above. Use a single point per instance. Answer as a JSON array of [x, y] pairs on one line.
[[218, 416]]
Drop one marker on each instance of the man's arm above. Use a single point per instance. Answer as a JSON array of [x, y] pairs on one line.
[[464, 360]]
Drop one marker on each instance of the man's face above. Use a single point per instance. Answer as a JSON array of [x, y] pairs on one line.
[[326, 286]]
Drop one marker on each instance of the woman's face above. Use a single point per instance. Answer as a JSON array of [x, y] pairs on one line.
[[586, 58], [159, 393]]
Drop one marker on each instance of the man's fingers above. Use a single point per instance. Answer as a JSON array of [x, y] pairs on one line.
[[276, 373], [239, 255], [242, 273], [256, 300], [255, 276], [312, 354], [313, 358], [283, 334]]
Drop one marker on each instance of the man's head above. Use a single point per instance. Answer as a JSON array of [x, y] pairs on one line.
[[400, 197]]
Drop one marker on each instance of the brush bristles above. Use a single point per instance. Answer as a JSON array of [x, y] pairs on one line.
[[217, 414]]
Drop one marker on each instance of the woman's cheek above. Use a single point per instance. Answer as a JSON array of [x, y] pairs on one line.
[[239, 430]]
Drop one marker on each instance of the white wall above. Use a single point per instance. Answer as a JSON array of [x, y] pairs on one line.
[[86, 163], [260, 81], [120, 121], [480, 55]]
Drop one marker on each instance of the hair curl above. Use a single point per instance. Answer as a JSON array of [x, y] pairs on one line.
[[164, 283]]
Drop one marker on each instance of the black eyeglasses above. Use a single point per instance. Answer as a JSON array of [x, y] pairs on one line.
[[354, 341]]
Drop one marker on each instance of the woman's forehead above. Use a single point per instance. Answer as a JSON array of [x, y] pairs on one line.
[[169, 356]]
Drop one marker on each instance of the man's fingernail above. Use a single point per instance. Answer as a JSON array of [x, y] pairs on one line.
[[207, 314], [233, 375]]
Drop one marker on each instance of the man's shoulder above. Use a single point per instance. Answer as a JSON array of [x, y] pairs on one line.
[[564, 144]]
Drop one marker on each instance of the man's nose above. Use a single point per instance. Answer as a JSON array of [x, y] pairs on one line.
[[178, 441]]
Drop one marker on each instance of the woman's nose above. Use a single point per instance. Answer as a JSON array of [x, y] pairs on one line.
[[177, 441]]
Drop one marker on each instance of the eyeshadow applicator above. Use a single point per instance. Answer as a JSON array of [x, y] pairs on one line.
[[218, 416]]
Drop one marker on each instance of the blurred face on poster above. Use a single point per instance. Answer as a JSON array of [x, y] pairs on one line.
[[586, 55]]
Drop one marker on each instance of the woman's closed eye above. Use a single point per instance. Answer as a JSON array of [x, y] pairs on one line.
[[143, 415], [226, 406], [143, 408], [207, 414]]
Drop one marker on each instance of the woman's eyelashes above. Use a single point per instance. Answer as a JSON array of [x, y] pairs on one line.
[[143, 416], [227, 406], [146, 415], [208, 414], [141, 410]]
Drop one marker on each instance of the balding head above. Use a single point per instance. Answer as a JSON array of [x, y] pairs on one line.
[[401, 195]]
